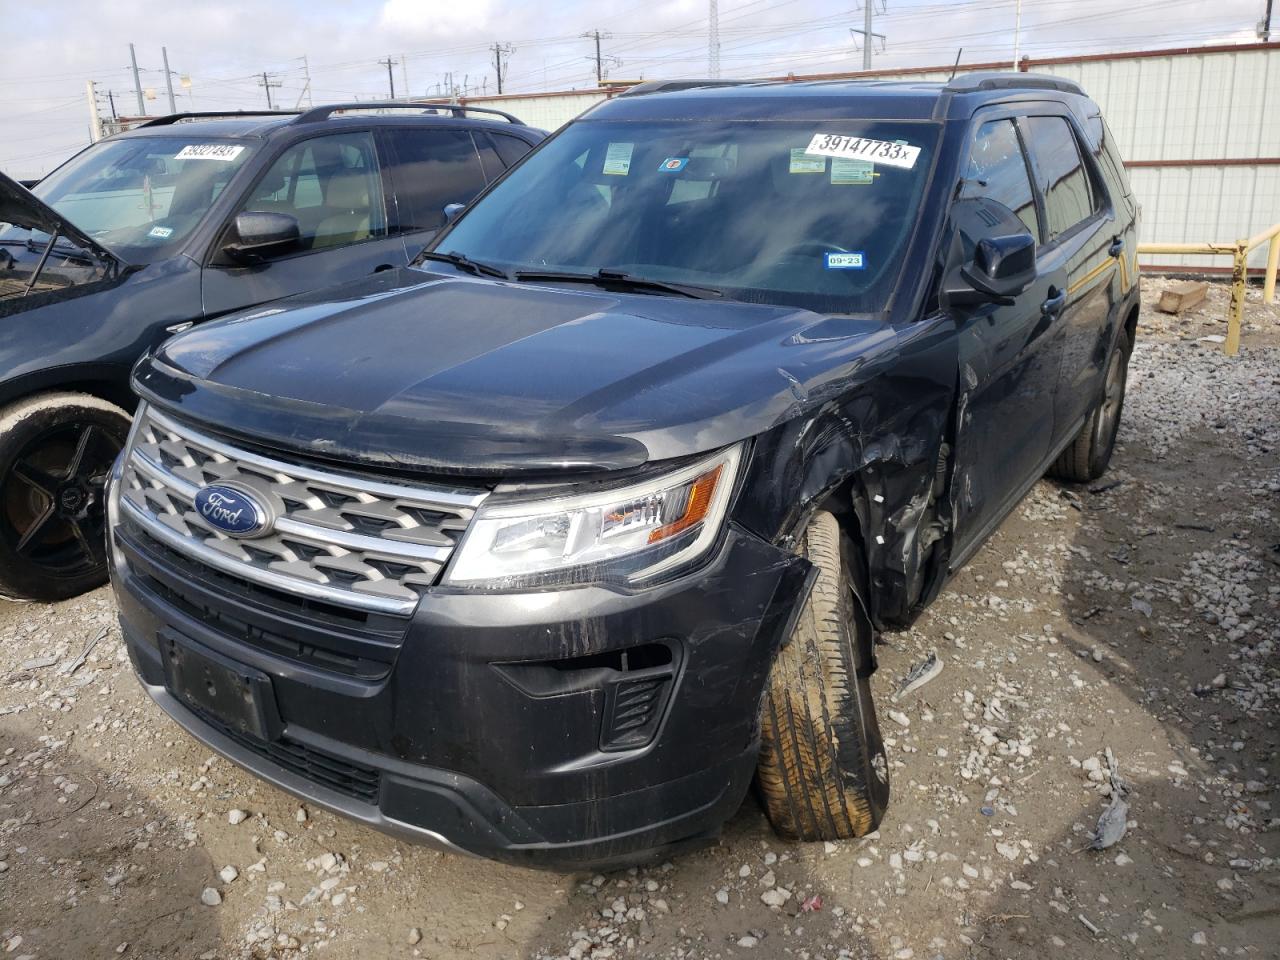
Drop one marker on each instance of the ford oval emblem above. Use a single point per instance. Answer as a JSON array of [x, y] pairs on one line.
[[231, 510]]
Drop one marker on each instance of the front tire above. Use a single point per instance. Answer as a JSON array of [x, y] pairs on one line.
[[1090, 452], [56, 451], [822, 769]]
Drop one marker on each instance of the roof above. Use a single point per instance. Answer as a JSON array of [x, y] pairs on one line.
[[826, 98]]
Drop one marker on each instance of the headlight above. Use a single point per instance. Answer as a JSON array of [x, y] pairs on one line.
[[623, 534]]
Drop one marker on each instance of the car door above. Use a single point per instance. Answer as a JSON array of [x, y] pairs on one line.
[[1009, 354], [1081, 229], [431, 167], [333, 186]]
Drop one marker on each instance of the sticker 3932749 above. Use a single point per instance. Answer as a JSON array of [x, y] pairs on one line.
[[209, 151], [880, 152]]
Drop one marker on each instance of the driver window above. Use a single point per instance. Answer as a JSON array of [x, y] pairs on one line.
[[998, 170], [331, 186]]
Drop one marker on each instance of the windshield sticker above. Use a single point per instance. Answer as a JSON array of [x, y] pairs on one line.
[[673, 164], [801, 163], [160, 233], [845, 261], [860, 148], [844, 170], [617, 159], [209, 151]]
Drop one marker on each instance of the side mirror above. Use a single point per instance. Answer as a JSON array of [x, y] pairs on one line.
[[451, 211], [261, 235], [993, 257], [1002, 267]]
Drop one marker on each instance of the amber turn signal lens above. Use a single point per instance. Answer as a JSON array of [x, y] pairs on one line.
[[695, 510]]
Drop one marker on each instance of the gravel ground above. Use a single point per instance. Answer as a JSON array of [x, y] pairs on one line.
[[1134, 621]]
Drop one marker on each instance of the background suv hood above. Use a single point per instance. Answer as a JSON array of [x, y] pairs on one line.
[[22, 208], [419, 371]]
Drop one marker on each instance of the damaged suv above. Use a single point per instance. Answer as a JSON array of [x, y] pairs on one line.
[[549, 546]]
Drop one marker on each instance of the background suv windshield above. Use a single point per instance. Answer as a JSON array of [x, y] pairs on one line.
[[739, 206], [140, 197]]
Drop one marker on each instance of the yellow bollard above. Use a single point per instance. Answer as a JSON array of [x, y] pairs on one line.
[[1235, 313], [1273, 264]]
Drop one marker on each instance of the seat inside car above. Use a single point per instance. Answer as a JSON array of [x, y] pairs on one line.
[[346, 195]]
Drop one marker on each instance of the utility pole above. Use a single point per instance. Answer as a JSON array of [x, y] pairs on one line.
[[600, 58], [111, 99], [168, 80], [137, 83], [391, 77], [713, 41], [1264, 25], [869, 36], [266, 83], [501, 50], [1017, 31], [404, 73], [95, 122]]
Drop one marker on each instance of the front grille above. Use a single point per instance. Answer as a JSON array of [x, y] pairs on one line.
[[351, 779], [338, 538]]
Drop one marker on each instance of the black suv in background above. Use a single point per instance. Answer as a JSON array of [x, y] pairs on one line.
[[181, 219], [546, 547]]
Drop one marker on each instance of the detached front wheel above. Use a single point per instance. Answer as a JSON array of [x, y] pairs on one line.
[[56, 451], [822, 769]]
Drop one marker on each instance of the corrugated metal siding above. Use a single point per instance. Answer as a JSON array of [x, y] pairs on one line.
[[1196, 105]]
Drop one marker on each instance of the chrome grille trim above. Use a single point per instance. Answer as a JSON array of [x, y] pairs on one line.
[[320, 545]]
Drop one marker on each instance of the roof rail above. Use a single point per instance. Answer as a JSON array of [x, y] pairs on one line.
[[213, 114], [1009, 80], [456, 109], [671, 86]]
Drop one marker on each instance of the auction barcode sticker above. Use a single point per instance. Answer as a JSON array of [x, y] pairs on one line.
[[209, 151], [882, 152]]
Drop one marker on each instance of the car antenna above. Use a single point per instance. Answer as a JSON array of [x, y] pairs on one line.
[[955, 65]]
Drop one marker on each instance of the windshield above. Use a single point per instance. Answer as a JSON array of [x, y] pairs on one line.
[[139, 197], [809, 214]]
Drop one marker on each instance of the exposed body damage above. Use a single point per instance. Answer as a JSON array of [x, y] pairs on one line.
[[513, 669]]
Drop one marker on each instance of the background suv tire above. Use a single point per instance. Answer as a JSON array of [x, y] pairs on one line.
[[822, 769], [56, 450]]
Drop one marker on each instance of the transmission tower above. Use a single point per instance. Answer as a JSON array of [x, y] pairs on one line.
[[713, 41]]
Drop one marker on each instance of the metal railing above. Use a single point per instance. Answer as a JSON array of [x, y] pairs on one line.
[[1239, 252]]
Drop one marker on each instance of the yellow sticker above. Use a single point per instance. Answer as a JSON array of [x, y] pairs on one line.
[[844, 170], [800, 163], [617, 159]]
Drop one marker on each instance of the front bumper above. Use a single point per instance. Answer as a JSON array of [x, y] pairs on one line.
[[508, 726]]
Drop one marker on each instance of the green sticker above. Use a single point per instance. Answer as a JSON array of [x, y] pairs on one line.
[[801, 163], [617, 159], [847, 170]]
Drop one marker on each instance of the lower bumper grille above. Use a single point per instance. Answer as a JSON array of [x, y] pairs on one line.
[[354, 780]]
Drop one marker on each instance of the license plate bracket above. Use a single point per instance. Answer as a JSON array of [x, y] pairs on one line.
[[232, 693]]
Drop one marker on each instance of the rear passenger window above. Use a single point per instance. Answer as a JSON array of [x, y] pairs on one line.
[[1061, 174], [510, 149], [432, 168], [998, 171]]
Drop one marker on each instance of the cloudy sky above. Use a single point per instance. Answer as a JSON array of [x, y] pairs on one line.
[[222, 47]]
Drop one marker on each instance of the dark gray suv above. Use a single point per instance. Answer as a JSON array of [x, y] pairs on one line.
[[180, 220]]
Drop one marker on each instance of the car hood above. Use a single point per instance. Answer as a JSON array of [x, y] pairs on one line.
[[22, 208], [426, 372]]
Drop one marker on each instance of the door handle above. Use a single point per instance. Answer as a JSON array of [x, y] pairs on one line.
[[1117, 245], [1053, 306]]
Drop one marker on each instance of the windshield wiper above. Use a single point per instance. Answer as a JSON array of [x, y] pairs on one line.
[[463, 262], [604, 277]]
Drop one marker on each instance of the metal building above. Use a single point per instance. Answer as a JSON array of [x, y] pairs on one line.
[[1199, 126]]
